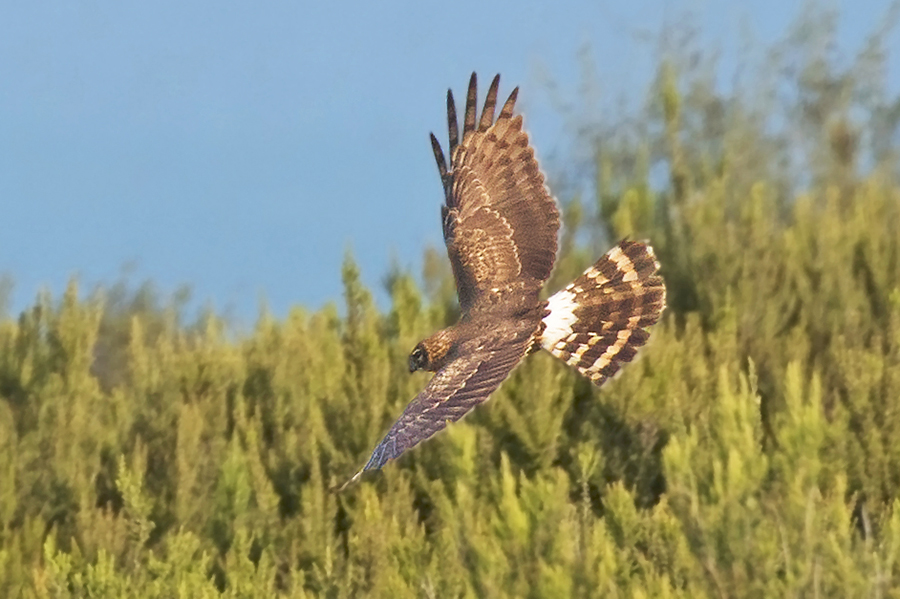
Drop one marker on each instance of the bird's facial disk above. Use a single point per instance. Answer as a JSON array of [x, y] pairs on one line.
[[418, 359]]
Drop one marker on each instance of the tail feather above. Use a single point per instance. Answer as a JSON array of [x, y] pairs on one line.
[[598, 322]]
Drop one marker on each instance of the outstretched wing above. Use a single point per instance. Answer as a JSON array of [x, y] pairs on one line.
[[500, 221], [452, 392]]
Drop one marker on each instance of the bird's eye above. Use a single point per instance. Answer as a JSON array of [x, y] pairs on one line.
[[418, 359]]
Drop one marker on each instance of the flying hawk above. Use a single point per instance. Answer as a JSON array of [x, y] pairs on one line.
[[500, 226]]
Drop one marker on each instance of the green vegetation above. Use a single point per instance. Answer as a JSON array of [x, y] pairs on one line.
[[752, 451]]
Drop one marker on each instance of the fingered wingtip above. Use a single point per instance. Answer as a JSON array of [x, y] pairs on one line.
[[508, 107]]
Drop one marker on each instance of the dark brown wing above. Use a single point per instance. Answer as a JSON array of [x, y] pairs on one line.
[[453, 391], [500, 221]]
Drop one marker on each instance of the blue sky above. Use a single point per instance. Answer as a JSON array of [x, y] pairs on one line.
[[242, 148]]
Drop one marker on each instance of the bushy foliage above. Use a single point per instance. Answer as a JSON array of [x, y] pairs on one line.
[[753, 450]]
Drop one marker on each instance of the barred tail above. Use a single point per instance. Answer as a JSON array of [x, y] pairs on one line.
[[600, 320]]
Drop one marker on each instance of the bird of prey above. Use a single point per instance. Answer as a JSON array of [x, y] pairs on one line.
[[500, 226]]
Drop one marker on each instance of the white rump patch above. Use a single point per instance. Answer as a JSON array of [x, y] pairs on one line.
[[559, 322]]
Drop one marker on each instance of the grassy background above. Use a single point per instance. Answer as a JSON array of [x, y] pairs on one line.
[[751, 451]]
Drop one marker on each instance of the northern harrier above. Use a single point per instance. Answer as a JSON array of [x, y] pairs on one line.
[[500, 226]]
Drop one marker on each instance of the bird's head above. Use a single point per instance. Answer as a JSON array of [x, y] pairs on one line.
[[418, 358], [432, 353]]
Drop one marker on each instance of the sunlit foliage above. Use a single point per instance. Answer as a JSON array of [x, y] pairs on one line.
[[752, 451]]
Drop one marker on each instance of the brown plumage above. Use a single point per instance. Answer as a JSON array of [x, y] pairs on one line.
[[500, 226]]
